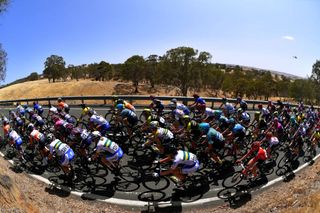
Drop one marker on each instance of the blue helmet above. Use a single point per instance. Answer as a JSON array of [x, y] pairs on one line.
[[204, 127], [231, 121], [120, 106]]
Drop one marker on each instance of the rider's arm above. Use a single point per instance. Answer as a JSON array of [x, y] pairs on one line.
[[165, 160]]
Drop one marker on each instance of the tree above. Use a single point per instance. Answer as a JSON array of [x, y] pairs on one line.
[[316, 72], [180, 67], [54, 68], [134, 70], [3, 5], [152, 69], [3, 60], [33, 76], [3, 54]]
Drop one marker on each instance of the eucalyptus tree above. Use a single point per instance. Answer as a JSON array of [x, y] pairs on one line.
[[134, 68], [55, 68]]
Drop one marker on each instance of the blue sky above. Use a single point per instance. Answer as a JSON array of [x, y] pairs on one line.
[[260, 33]]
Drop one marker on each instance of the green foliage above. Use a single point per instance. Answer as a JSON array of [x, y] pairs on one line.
[[3, 5], [3, 60], [134, 70], [55, 68], [33, 76]]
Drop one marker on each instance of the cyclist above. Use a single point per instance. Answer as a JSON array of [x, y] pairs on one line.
[[228, 109], [109, 153], [265, 112], [234, 130], [5, 125], [156, 105], [85, 111], [63, 105], [272, 142], [15, 139], [199, 103], [38, 139], [38, 108], [64, 154], [117, 100], [243, 117], [83, 138], [180, 106], [151, 117], [20, 109], [127, 117], [37, 120], [214, 139], [243, 104], [183, 164], [160, 136], [98, 122], [256, 161]]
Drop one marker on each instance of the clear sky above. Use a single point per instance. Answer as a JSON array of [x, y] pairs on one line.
[[259, 33]]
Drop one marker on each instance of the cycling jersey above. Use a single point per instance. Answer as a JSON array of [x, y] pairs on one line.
[[161, 120], [36, 136], [273, 141], [20, 110], [261, 154], [65, 153], [164, 134], [105, 144], [229, 108], [209, 112], [177, 114], [243, 105], [15, 137], [245, 116], [37, 107], [214, 136], [200, 101], [265, 111], [187, 160], [183, 107], [130, 115], [98, 120], [238, 128]]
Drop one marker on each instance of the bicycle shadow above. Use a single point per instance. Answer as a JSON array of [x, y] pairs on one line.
[[236, 196], [53, 190]]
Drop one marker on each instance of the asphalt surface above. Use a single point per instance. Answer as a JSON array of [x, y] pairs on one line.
[[108, 187]]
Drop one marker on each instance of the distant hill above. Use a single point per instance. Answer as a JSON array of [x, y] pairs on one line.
[[247, 68]]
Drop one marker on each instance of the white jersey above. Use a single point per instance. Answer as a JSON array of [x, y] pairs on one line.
[[178, 114], [245, 116], [185, 158], [181, 106], [13, 135], [164, 134], [106, 144], [59, 147], [98, 120], [53, 110], [265, 111], [273, 141], [209, 112], [229, 108]]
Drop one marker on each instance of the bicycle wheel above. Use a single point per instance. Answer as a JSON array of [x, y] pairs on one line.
[[283, 161], [227, 193], [130, 173], [233, 180], [156, 184]]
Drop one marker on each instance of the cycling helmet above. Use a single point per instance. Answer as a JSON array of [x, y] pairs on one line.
[[204, 127], [195, 95], [276, 113], [260, 106], [5, 121], [174, 100], [146, 111], [186, 117], [255, 145], [292, 119], [224, 100], [275, 119], [240, 110], [90, 111], [239, 99], [30, 127], [120, 106], [25, 106], [317, 129], [50, 137], [231, 121], [154, 124], [59, 99], [95, 135]]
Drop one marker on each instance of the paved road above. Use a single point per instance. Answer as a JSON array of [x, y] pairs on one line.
[[109, 188]]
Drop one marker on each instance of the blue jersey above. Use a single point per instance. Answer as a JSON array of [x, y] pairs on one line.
[[238, 128], [200, 101], [214, 136], [127, 113]]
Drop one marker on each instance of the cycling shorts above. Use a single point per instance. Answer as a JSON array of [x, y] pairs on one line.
[[187, 169], [67, 157], [115, 156]]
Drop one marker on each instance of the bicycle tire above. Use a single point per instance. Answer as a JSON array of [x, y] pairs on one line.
[[227, 193], [233, 179], [156, 184], [130, 174]]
